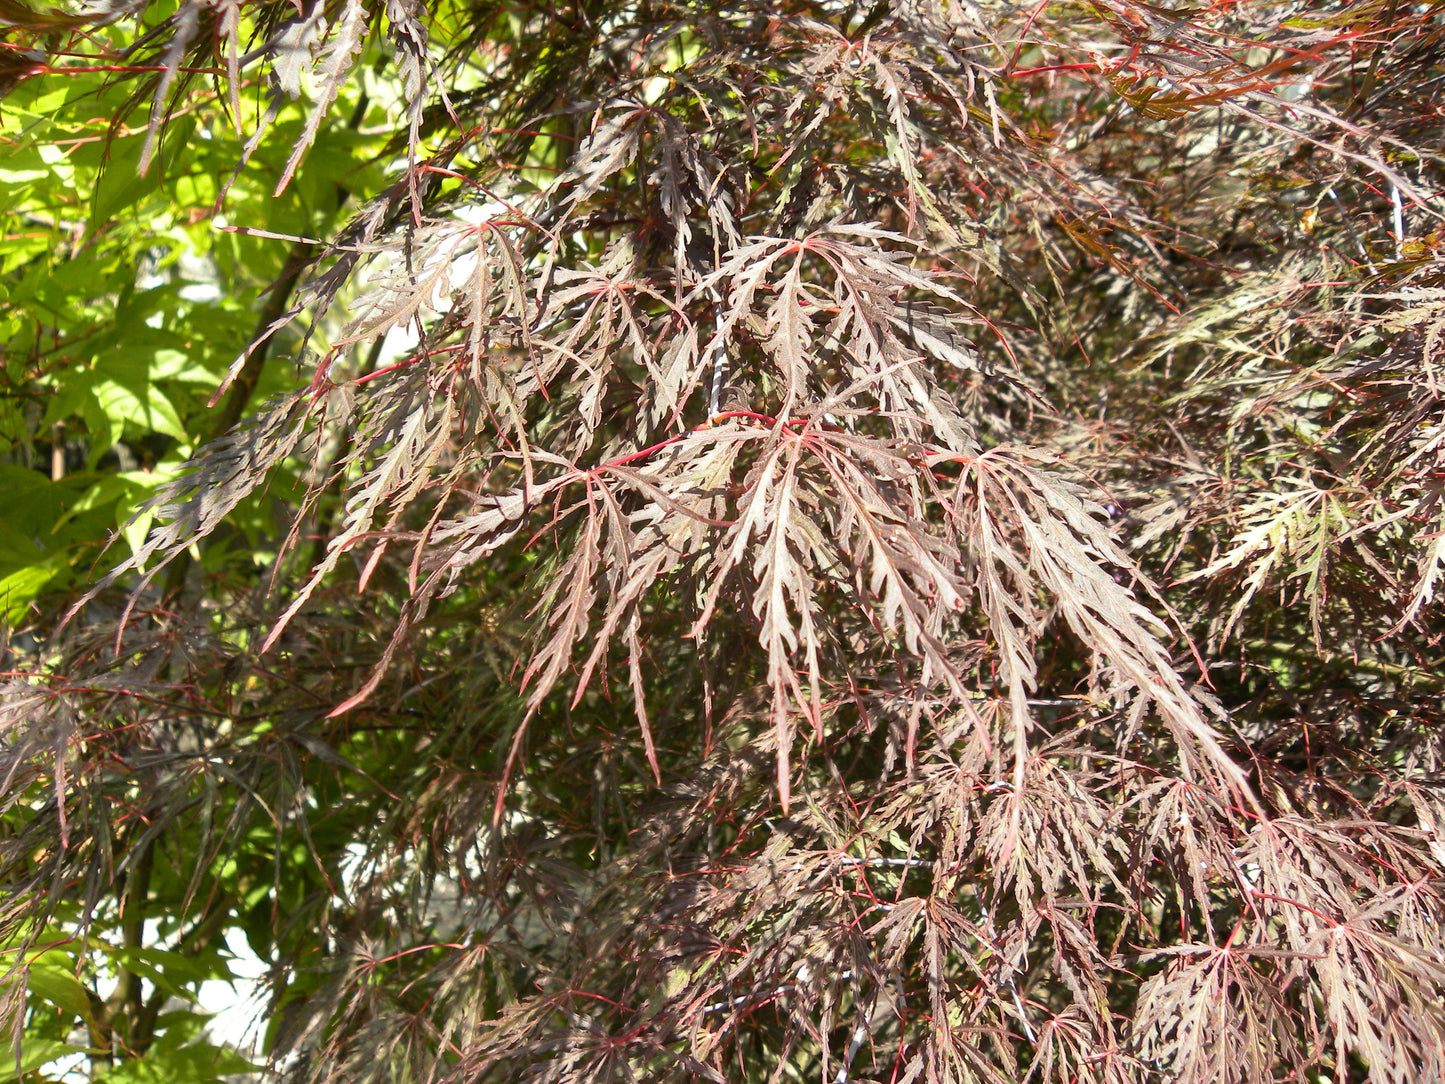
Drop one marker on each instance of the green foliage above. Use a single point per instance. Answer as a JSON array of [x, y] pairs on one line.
[[128, 297], [634, 540]]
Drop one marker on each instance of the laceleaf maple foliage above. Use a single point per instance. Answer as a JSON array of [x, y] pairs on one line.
[[902, 545]]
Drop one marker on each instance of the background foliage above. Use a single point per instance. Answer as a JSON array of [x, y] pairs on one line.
[[724, 541]]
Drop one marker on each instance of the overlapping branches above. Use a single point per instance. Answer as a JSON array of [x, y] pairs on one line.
[[998, 449]]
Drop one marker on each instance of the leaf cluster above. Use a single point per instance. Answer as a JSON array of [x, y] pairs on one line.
[[808, 540]]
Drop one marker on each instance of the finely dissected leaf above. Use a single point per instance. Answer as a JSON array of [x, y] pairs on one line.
[[1213, 1013], [402, 452], [610, 147], [338, 51], [222, 475]]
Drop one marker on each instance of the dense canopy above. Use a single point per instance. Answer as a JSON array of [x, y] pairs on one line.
[[650, 540]]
